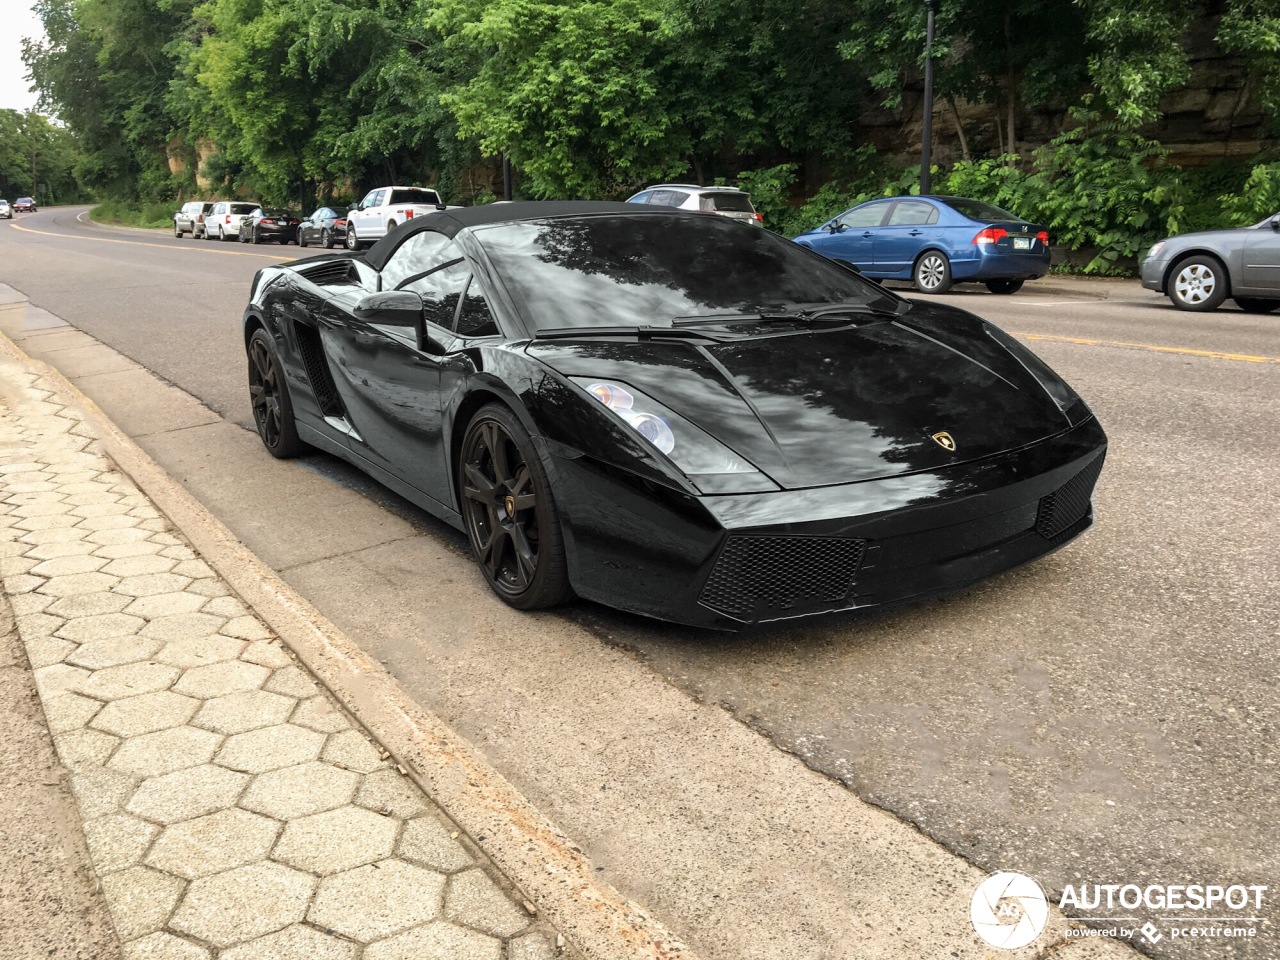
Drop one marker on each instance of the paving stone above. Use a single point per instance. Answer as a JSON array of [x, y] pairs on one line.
[[140, 900], [164, 946], [436, 941], [377, 900], [177, 552], [246, 628], [295, 943], [95, 496], [139, 566], [68, 548], [292, 682], [42, 508], [79, 583], [130, 680], [386, 790], [117, 841], [109, 538], [150, 584], [266, 653], [234, 676], [213, 843], [532, 946], [165, 605], [195, 569], [242, 712], [103, 509], [99, 791], [189, 793], [147, 713], [39, 624], [62, 566], [46, 651], [43, 525], [201, 651], [300, 790], [55, 536], [427, 841], [167, 539], [77, 747], [270, 748], [88, 605], [228, 607], [23, 583], [328, 843], [109, 523], [185, 626], [243, 904], [165, 751], [474, 899], [69, 711], [27, 604], [207, 588], [97, 654], [353, 751], [16, 566], [131, 548], [319, 713], [105, 626]]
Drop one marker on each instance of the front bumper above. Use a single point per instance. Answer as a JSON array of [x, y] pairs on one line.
[[730, 561], [1152, 272]]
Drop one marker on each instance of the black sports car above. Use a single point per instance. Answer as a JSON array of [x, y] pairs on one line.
[[670, 413], [280, 226], [327, 227]]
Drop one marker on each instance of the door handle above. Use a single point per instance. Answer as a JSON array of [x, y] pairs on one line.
[[867, 235], [915, 233]]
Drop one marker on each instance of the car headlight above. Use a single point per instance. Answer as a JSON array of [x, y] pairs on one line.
[[1156, 248], [708, 463]]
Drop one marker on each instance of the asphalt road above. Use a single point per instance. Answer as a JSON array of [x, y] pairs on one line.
[[1107, 714]]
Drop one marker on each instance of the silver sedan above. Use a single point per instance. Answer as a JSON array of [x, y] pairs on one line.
[[1198, 271]]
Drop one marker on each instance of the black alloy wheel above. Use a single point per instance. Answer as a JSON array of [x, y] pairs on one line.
[[509, 513], [1004, 287], [326, 239], [272, 409], [1255, 304]]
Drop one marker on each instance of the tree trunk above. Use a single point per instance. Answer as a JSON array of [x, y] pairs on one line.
[[964, 141]]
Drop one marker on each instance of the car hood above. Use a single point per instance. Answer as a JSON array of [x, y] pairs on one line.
[[837, 405], [1199, 235]]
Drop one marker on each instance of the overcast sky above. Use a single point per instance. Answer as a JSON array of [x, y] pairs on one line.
[[18, 22]]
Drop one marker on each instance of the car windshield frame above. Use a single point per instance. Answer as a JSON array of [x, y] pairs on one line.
[[653, 284]]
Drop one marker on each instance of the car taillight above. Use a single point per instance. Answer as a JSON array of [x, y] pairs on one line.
[[1043, 237], [990, 235], [408, 214], [199, 218], [265, 220], [228, 218], [760, 216]]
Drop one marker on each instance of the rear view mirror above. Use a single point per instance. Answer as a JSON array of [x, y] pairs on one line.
[[393, 308]]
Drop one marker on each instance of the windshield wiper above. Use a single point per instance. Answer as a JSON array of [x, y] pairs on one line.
[[644, 332], [803, 313]]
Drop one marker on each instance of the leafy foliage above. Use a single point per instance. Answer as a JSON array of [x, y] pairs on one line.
[[1257, 200]]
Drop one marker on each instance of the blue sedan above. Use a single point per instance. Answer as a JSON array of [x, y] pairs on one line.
[[935, 242]]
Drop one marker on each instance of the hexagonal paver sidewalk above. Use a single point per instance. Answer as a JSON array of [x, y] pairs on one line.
[[232, 809]]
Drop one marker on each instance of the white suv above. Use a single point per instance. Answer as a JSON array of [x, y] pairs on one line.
[[222, 222], [726, 201]]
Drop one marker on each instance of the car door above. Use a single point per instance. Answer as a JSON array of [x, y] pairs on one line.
[[367, 224], [390, 389], [1262, 260], [851, 236], [903, 237]]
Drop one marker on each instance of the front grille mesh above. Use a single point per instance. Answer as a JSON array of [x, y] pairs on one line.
[[756, 577], [317, 368], [1068, 504]]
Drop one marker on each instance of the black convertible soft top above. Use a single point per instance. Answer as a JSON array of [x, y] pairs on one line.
[[449, 222]]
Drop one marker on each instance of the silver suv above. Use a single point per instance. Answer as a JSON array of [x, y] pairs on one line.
[[190, 219], [726, 201]]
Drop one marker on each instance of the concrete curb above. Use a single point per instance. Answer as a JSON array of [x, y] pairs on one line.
[[531, 851]]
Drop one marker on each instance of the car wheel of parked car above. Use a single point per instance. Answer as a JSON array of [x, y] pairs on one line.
[[932, 272], [302, 239], [1005, 287], [353, 242], [254, 238], [1256, 305], [326, 239], [177, 231], [222, 235], [269, 395], [1198, 283], [509, 513]]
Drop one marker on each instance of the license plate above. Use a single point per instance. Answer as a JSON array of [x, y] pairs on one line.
[[1022, 243]]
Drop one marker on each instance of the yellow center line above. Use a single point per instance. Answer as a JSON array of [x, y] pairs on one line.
[[1154, 347], [161, 246]]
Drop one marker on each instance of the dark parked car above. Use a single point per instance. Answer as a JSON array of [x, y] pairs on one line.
[[935, 242], [327, 227], [675, 414], [270, 224], [1198, 271], [26, 204], [190, 218]]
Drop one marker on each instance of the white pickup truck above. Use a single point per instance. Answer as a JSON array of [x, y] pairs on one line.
[[385, 208]]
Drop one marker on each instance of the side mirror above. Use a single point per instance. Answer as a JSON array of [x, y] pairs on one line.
[[838, 228], [392, 308], [1275, 222]]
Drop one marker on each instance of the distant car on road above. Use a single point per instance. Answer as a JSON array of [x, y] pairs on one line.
[[6, 211], [327, 227], [222, 222], [385, 208], [1198, 271], [190, 218], [25, 205], [270, 223], [935, 242], [727, 201]]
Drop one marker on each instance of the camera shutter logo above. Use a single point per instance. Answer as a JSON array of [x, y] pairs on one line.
[[1009, 910]]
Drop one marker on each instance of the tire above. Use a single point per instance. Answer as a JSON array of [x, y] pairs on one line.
[[177, 232], [222, 236], [254, 238], [391, 225], [1198, 283], [1005, 288], [269, 399], [326, 239], [302, 240], [932, 272], [352, 242], [1256, 305], [509, 512]]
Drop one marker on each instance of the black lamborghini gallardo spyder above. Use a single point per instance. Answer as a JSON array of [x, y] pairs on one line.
[[671, 413]]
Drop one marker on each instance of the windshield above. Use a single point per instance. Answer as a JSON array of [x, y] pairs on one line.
[[977, 210], [415, 195], [243, 208], [637, 269]]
